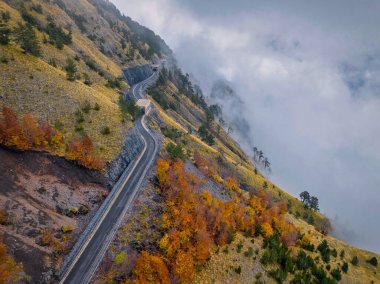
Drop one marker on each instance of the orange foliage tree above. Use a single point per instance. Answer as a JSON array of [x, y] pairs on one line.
[[82, 150], [232, 184], [194, 221], [27, 133], [150, 269]]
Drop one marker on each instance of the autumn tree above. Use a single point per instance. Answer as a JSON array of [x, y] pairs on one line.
[[82, 150], [27, 133], [183, 266], [194, 221], [10, 270], [150, 269], [232, 183], [11, 132]]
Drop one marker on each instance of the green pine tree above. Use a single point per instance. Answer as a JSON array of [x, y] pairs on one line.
[[4, 34], [71, 69], [26, 37]]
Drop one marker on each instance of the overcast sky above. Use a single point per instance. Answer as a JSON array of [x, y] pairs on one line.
[[308, 73]]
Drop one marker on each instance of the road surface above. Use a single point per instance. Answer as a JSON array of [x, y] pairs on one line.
[[85, 263]]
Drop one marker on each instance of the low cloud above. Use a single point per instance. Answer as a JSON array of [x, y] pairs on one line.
[[308, 76]]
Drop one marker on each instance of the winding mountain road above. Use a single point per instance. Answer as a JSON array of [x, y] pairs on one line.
[[84, 264]]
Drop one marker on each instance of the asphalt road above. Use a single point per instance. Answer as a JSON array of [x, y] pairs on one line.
[[86, 262]]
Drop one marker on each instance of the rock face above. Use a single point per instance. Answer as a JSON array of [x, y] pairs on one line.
[[137, 74], [133, 142], [133, 145]]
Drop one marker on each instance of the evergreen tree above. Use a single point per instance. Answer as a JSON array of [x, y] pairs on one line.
[[71, 69], [26, 37], [314, 203], [305, 197], [4, 34]]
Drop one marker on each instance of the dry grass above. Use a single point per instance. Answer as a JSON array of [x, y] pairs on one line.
[[221, 267], [29, 84]]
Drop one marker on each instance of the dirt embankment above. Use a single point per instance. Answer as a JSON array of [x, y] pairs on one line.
[[39, 195]]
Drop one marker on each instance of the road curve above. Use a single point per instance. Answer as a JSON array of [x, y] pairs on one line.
[[85, 263]]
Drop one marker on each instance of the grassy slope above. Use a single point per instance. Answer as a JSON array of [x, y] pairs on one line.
[[221, 266], [30, 84]]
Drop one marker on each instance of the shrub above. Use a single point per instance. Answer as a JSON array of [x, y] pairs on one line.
[[279, 275], [46, 237], [58, 125], [4, 220], [119, 258], [129, 108], [342, 254], [79, 128], [372, 261], [105, 130], [175, 151], [345, 267], [91, 63], [249, 252], [96, 107], [66, 229], [336, 274], [114, 83], [87, 81], [83, 210], [79, 116], [3, 59], [37, 8], [238, 269], [325, 251], [355, 260], [303, 261], [172, 133], [86, 107], [231, 235], [52, 62], [5, 16], [239, 246]]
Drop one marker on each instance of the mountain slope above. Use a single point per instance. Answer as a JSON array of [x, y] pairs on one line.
[[74, 84]]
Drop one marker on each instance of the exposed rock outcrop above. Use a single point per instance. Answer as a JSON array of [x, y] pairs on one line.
[[137, 74], [133, 144]]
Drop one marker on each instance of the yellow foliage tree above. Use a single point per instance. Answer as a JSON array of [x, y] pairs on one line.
[[150, 269], [267, 230]]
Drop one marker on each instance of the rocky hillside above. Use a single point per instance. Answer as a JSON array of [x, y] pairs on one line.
[[207, 214], [61, 76]]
